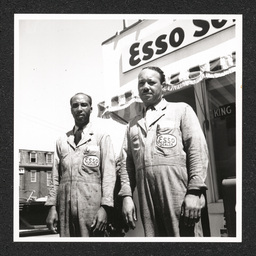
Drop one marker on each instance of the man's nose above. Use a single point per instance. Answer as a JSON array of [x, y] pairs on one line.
[[146, 87]]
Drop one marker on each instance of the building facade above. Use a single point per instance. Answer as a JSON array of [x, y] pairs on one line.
[[35, 168], [199, 59]]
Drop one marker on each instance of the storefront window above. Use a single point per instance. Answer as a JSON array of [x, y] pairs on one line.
[[221, 98], [185, 95]]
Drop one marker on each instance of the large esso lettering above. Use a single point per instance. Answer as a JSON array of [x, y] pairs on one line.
[[205, 26], [134, 53], [218, 23], [176, 37], [167, 42], [147, 50], [161, 44]]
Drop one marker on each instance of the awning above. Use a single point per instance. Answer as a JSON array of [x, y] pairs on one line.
[[124, 106], [218, 67]]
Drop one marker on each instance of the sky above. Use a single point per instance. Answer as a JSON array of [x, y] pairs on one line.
[[55, 57]]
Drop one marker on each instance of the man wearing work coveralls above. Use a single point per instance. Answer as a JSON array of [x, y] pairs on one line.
[[83, 176], [165, 154]]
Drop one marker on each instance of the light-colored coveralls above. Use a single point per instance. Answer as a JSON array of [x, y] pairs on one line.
[[83, 179], [166, 160]]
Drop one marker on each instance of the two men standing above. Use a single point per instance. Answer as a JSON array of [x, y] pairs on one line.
[[164, 153]]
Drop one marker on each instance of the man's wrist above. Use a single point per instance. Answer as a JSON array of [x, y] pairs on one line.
[[106, 208], [195, 192]]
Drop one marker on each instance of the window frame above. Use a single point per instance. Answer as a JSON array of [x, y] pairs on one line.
[[48, 178], [47, 156], [33, 179], [35, 154]]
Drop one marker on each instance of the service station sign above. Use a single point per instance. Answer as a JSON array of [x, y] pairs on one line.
[[178, 35]]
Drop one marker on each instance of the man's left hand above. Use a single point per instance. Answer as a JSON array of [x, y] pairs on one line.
[[191, 208], [100, 220]]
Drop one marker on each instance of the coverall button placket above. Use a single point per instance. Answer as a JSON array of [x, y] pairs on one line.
[[149, 145]]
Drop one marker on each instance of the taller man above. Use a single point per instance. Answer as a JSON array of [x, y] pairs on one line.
[[165, 154]]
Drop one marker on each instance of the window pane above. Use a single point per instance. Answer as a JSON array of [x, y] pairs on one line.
[[33, 176], [48, 158], [33, 157], [221, 96], [49, 175]]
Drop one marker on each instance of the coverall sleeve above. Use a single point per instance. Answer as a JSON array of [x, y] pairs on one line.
[[54, 184], [127, 173], [108, 171], [196, 149]]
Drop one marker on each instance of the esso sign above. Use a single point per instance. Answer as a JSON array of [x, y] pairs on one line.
[[176, 36], [159, 46]]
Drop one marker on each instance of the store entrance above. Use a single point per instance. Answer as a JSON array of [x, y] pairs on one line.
[[221, 101], [186, 95]]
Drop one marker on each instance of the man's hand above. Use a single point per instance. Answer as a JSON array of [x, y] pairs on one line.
[[100, 220], [129, 212], [191, 208], [52, 219]]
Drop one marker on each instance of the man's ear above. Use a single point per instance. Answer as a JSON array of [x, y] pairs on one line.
[[91, 109]]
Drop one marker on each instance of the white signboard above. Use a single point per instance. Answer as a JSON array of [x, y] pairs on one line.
[[179, 34]]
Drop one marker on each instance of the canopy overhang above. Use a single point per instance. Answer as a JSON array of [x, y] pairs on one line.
[[124, 106]]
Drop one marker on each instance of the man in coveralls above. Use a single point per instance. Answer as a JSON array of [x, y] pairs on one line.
[[165, 155], [83, 176]]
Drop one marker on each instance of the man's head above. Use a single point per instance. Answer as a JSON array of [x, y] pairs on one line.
[[150, 83], [81, 108]]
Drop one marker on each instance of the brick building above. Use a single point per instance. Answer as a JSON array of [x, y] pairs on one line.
[[35, 167]]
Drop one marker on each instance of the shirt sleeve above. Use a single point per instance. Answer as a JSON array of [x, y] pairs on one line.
[[108, 171], [196, 149], [127, 173], [54, 184]]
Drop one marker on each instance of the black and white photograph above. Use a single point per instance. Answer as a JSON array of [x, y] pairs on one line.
[[127, 128]]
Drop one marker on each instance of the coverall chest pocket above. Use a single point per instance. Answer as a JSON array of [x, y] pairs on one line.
[[91, 159], [166, 143]]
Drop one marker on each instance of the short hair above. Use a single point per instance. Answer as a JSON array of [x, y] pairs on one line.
[[159, 71], [88, 96]]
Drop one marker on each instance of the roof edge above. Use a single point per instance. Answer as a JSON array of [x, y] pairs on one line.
[[122, 31]]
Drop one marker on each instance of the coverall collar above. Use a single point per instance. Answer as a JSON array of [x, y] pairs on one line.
[[158, 108], [86, 137]]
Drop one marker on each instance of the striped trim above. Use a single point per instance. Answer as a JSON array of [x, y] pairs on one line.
[[213, 69], [125, 106]]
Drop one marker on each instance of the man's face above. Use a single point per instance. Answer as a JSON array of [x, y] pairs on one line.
[[81, 109], [150, 87]]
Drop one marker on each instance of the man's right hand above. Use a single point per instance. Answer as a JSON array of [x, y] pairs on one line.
[[52, 219], [129, 212]]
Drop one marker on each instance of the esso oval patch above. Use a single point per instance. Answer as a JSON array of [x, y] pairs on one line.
[[166, 141], [91, 161]]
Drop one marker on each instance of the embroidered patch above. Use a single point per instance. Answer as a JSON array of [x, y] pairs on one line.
[[91, 161], [166, 141]]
